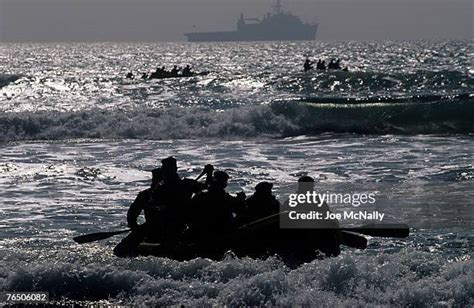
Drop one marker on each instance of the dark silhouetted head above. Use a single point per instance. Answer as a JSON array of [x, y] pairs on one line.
[[305, 179], [305, 183], [219, 180], [169, 168], [264, 188]]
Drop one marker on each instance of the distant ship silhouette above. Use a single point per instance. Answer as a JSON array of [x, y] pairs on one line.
[[279, 26]]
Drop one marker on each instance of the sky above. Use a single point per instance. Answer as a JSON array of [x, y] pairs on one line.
[[168, 20]]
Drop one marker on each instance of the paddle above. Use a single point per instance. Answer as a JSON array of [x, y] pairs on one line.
[[201, 175], [87, 238], [382, 230], [348, 235]]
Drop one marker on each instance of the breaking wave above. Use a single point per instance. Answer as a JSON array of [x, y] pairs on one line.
[[406, 278], [416, 115], [173, 123]]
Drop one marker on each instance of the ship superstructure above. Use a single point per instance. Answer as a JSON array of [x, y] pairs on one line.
[[279, 26]]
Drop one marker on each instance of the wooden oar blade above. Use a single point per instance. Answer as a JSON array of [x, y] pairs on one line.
[[87, 238], [353, 240]]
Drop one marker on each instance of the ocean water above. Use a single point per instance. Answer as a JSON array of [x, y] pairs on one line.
[[77, 141]]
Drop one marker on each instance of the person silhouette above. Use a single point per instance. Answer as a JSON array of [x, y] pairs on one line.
[[175, 199], [328, 234], [323, 65], [159, 73], [261, 204], [165, 205], [319, 65], [174, 72], [308, 65], [186, 71], [146, 202], [332, 64], [214, 210]]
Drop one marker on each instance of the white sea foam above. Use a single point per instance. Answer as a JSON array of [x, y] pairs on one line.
[[408, 277]]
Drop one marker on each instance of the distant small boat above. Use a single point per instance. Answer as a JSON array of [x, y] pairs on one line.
[[169, 75]]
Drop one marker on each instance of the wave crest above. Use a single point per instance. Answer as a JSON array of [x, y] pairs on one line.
[[173, 123], [425, 115]]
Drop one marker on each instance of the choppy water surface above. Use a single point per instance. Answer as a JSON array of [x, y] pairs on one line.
[[54, 191], [79, 90], [78, 140]]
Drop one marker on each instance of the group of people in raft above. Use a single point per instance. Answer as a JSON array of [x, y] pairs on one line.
[[178, 209], [321, 65], [161, 73]]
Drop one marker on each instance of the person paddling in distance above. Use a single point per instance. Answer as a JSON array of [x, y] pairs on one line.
[[308, 65], [321, 65], [175, 71], [187, 71]]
